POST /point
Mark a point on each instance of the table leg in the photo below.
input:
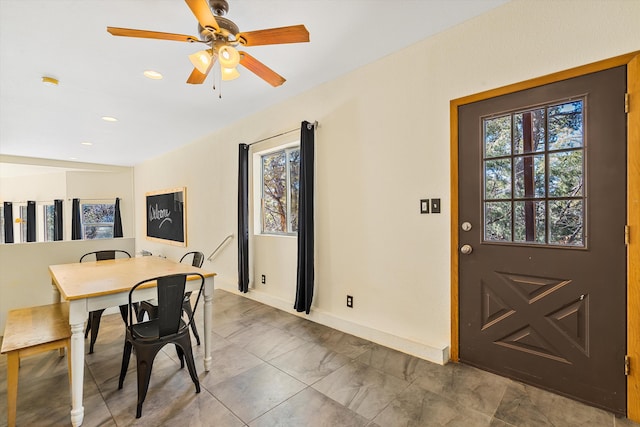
(77, 316)
(55, 293)
(208, 319)
(55, 300)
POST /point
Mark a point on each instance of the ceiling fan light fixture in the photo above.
(153, 75)
(230, 73)
(201, 60)
(228, 57)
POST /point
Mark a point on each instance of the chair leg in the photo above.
(95, 326)
(180, 355)
(126, 356)
(185, 345)
(145, 355)
(88, 328)
(186, 306)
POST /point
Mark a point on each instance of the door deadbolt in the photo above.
(466, 226)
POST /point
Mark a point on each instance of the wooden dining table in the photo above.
(90, 286)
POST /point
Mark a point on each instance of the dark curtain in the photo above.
(243, 218)
(31, 221)
(117, 220)
(76, 227)
(57, 220)
(305, 273)
(8, 222)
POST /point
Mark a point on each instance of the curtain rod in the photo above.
(96, 199)
(315, 126)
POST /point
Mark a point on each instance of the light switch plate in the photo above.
(424, 206)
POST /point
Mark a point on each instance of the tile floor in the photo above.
(271, 368)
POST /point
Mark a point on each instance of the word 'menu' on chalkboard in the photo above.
(166, 216)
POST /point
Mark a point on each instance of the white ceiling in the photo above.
(101, 75)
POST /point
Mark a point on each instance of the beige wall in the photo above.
(382, 145)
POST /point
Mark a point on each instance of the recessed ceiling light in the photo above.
(86, 143)
(109, 119)
(49, 81)
(152, 75)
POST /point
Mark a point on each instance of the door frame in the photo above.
(632, 61)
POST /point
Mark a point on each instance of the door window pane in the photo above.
(497, 137)
(530, 222)
(497, 221)
(565, 173)
(529, 131)
(565, 125)
(497, 179)
(529, 174)
(566, 222)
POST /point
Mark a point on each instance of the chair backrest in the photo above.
(198, 258)
(170, 294)
(106, 254)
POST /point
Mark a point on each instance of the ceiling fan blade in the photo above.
(196, 77)
(200, 9)
(291, 34)
(261, 70)
(128, 32)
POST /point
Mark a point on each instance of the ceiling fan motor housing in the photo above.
(219, 7)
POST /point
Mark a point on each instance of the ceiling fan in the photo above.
(221, 36)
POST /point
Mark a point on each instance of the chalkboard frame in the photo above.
(154, 197)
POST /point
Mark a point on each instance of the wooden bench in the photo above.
(31, 331)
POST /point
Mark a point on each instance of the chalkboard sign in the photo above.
(167, 216)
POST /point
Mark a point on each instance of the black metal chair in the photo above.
(93, 323)
(152, 310)
(148, 338)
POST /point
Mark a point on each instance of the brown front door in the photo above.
(542, 209)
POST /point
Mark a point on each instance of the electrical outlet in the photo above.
(349, 301)
(264, 279)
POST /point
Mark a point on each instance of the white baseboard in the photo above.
(404, 345)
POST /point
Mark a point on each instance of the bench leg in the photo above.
(13, 364)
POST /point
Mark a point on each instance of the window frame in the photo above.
(258, 188)
(84, 225)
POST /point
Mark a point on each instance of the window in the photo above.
(97, 220)
(23, 223)
(534, 163)
(280, 172)
(48, 215)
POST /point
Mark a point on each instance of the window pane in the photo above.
(497, 221)
(566, 222)
(497, 137)
(98, 232)
(274, 192)
(565, 174)
(23, 223)
(529, 176)
(565, 125)
(294, 187)
(97, 220)
(533, 123)
(497, 181)
(48, 222)
(530, 222)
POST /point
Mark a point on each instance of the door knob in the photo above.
(466, 249)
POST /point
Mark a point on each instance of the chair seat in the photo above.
(150, 331)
